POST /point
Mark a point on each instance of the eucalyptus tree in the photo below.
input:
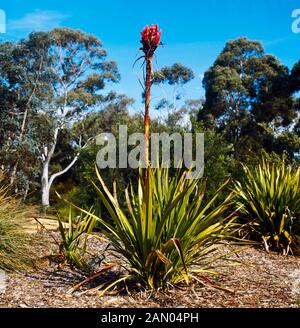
(295, 78)
(48, 81)
(78, 72)
(175, 76)
(22, 88)
(246, 90)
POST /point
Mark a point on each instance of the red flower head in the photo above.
(150, 39)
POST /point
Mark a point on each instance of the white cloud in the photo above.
(39, 20)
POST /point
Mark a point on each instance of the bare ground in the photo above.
(263, 280)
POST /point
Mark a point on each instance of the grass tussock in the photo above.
(15, 251)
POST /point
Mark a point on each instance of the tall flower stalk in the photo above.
(150, 40)
(165, 233)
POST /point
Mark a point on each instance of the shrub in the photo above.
(269, 197)
(74, 235)
(165, 233)
(14, 243)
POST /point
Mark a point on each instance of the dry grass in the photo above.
(15, 251)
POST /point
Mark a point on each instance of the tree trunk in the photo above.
(45, 184)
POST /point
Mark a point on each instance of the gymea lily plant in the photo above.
(269, 202)
(165, 233)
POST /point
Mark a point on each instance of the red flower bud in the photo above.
(150, 39)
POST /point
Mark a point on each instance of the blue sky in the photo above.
(194, 32)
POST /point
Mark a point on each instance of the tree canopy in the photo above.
(247, 90)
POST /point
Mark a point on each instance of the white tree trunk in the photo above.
(46, 181)
(45, 184)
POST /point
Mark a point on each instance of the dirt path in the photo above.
(39, 222)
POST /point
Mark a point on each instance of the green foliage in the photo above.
(176, 74)
(269, 197)
(48, 80)
(14, 243)
(219, 163)
(295, 77)
(20, 88)
(75, 185)
(165, 233)
(246, 89)
(74, 236)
